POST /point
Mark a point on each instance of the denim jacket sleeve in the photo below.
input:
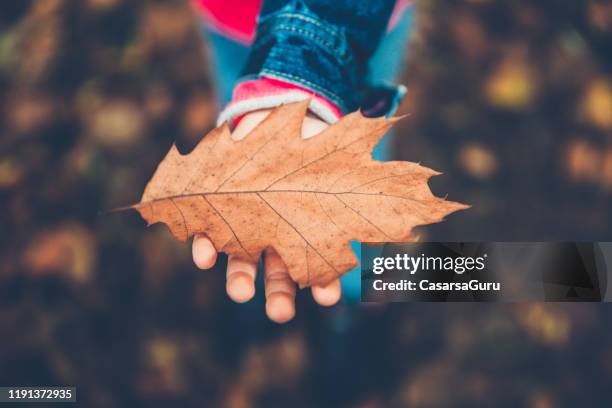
(323, 46)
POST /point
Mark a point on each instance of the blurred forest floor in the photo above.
(511, 100)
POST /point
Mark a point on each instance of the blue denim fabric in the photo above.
(324, 46)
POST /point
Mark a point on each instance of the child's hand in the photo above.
(280, 289)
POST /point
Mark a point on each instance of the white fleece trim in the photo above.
(236, 109)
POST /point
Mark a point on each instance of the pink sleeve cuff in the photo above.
(266, 93)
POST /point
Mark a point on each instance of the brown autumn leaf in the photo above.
(306, 198)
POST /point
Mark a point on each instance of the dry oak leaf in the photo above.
(305, 198)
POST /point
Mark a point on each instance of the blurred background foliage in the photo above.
(512, 100)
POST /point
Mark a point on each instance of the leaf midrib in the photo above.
(244, 192)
